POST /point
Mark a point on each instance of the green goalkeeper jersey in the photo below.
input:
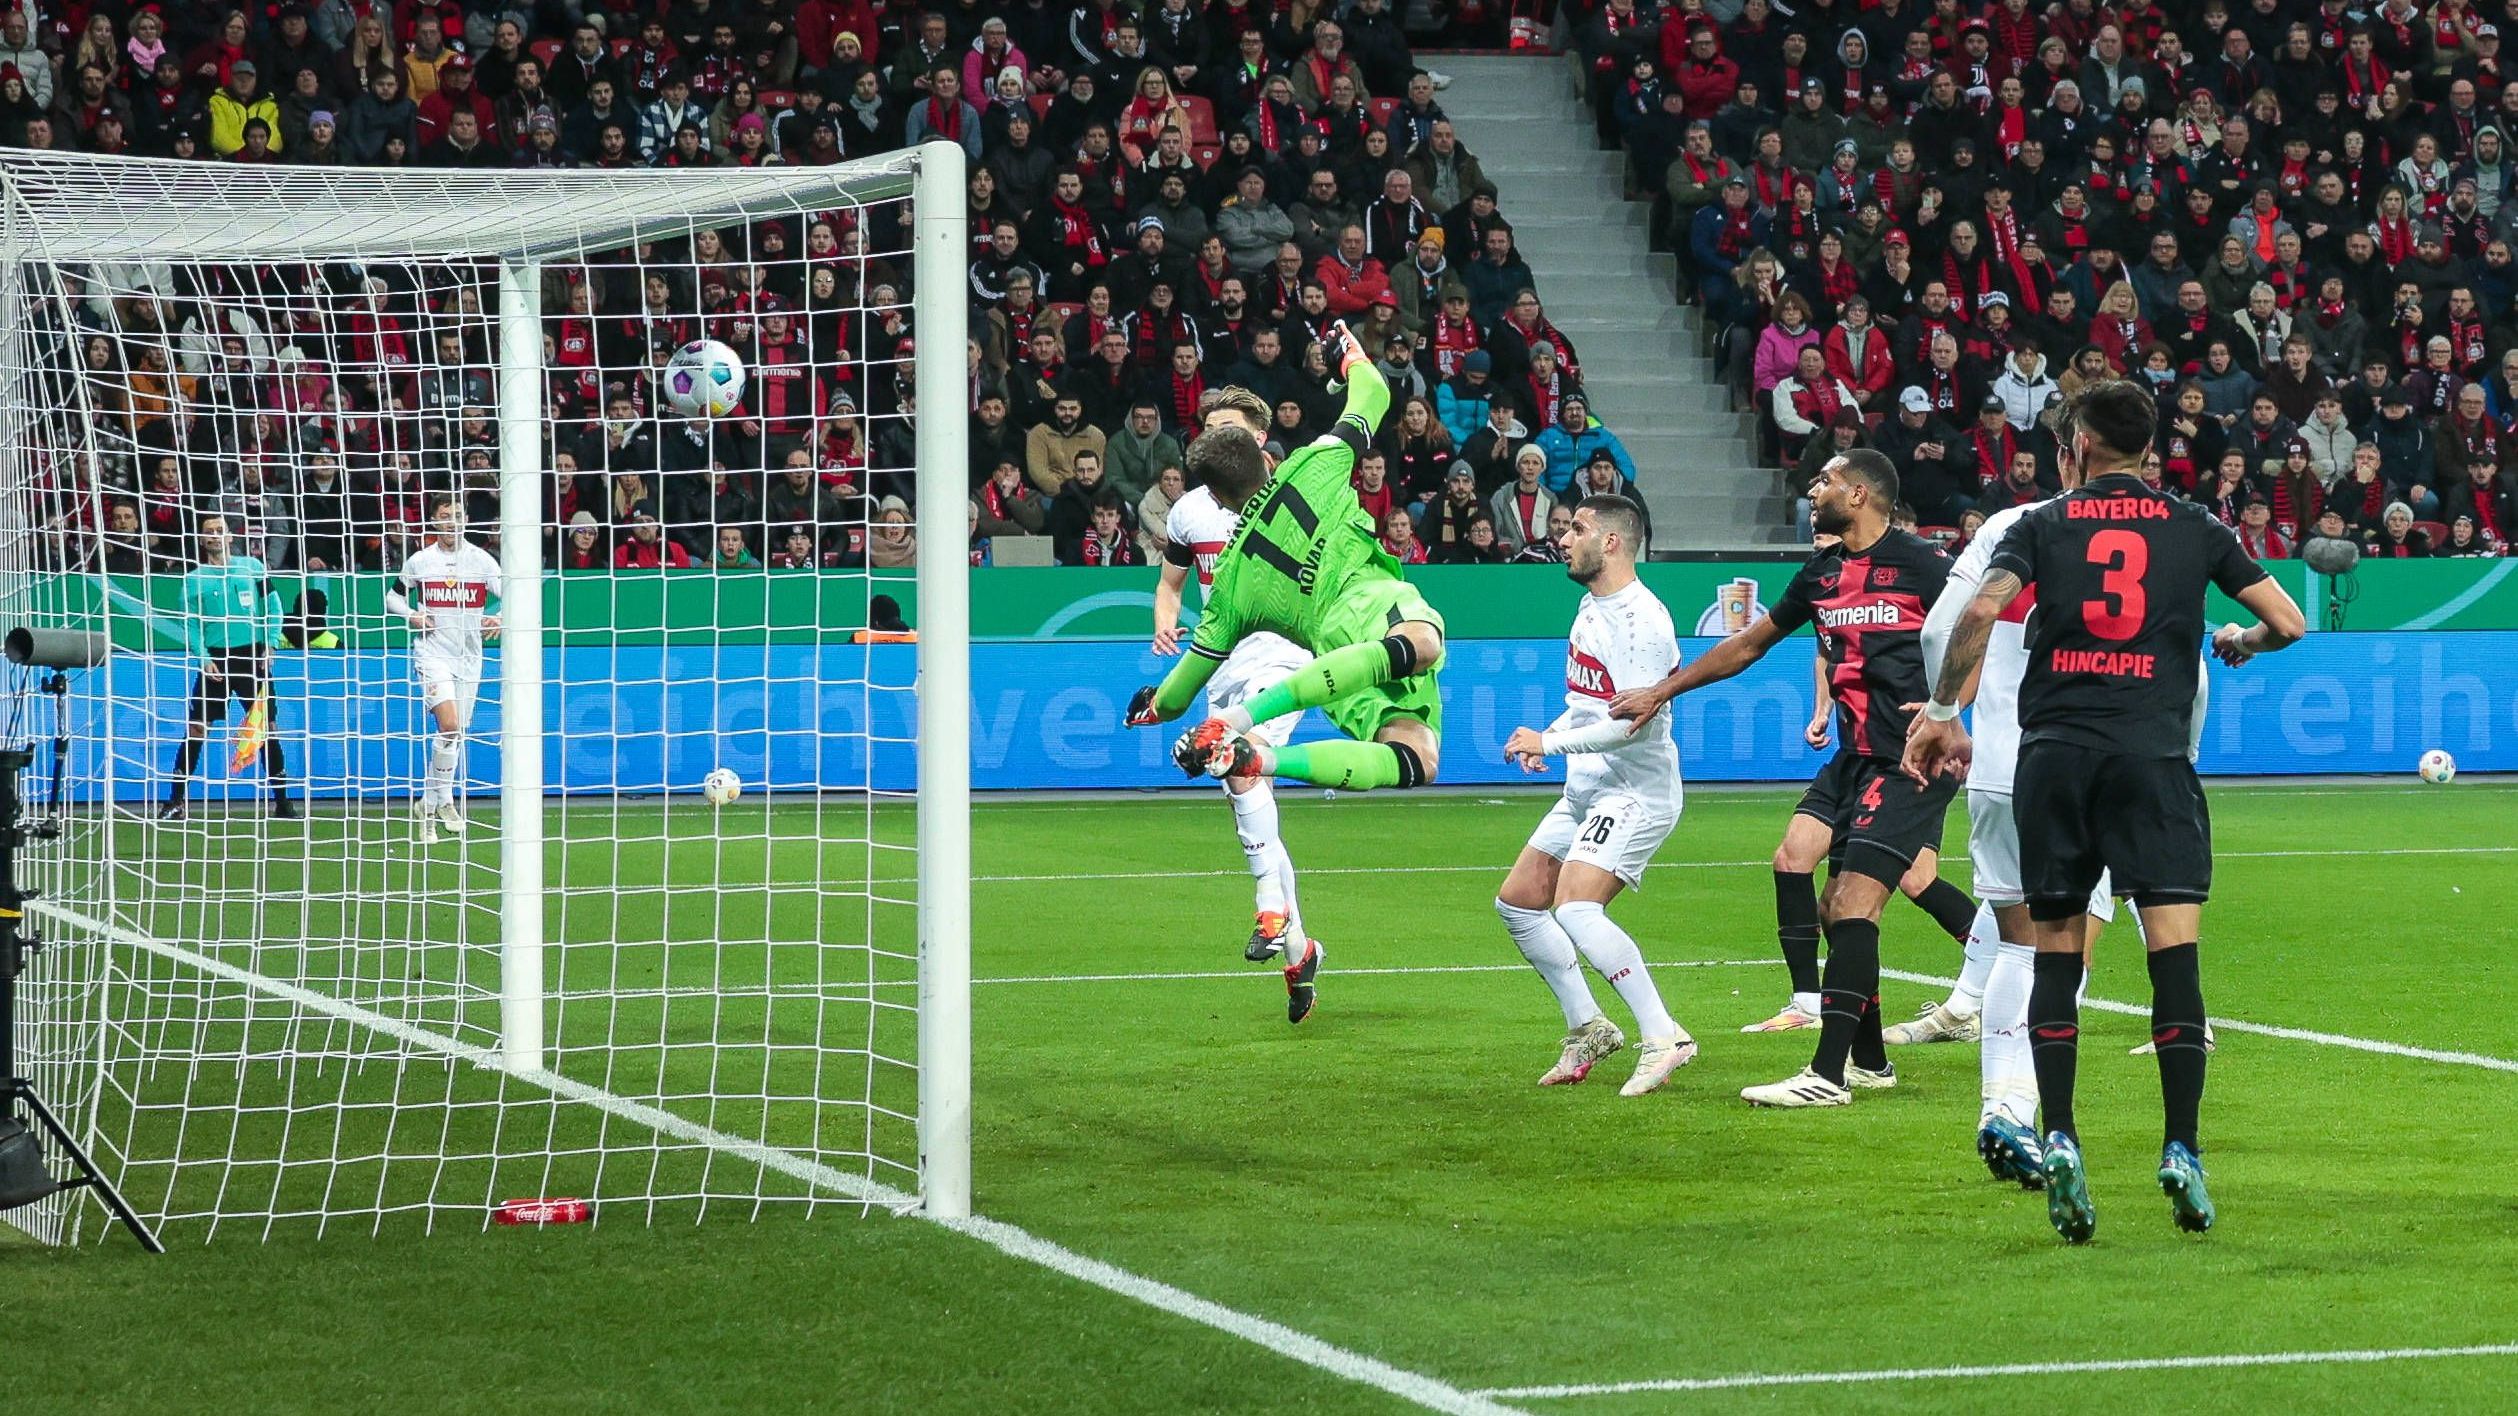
(1304, 542)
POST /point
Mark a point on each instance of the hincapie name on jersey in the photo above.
(2114, 663)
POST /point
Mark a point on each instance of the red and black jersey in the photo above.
(2116, 641)
(1869, 607)
(786, 393)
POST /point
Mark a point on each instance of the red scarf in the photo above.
(2466, 337)
(1077, 228)
(1186, 396)
(1993, 454)
(1839, 282)
(1544, 395)
(945, 119)
(1733, 241)
(1453, 342)
(2395, 239)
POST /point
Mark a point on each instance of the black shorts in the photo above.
(246, 668)
(1878, 821)
(2081, 811)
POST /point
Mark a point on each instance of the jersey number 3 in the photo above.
(2122, 557)
(1289, 501)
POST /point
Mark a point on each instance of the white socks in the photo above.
(2010, 1076)
(1983, 938)
(444, 749)
(1612, 951)
(2010, 1079)
(1271, 868)
(1551, 951)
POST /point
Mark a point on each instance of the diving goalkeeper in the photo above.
(1305, 563)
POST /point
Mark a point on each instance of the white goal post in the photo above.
(275, 989)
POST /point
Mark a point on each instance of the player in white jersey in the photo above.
(444, 594)
(1197, 530)
(1622, 797)
(1993, 991)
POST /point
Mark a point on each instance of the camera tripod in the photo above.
(24, 1178)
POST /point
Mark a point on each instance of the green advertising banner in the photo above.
(1477, 602)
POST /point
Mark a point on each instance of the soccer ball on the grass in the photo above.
(2437, 767)
(721, 786)
(703, 379)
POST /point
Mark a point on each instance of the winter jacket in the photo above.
(1778, 353)
(1462, 407)
(1567, 452)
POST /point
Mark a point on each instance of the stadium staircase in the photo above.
(1642, 353)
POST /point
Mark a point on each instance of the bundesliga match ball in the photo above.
(2438, 768)
(704, 379)
(721, 786)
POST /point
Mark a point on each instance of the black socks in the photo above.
(2177, 1036)
(2054, 1035)
(1797, 927)
(1849, 993)
(1949, 907)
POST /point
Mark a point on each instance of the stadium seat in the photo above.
(2436, 530)
(1938, 535)
(546, 50)
(1206, 154)
(1040, 104)
(1202, 130)
(1382, 108)
(620, 47)
(781, 99)
(1058, 312)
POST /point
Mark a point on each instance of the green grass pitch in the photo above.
(1388, 1179)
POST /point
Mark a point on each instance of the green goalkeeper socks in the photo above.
(1352, 766)
(1332, 676)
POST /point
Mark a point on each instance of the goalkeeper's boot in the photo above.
(1267, 936)
(1193, 752)
(1865, 1079)
(1803, 1088)
(1584, 1046)
(2181, 1177)
(2011, 1152)
(2211, 1044)
(1936, 1023)
(1792, 1017)
(283, 809)
(1301, 991)
(2068, 1190)
(1660, 1057)
(451, 817)
(171, 809)
(427, 819)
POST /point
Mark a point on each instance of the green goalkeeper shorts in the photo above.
(1365, 615)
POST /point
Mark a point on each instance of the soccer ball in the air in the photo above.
(721, 786)
(2437, 767)
(703, 379)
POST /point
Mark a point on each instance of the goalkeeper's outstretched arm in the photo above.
(1168, 700)
(1367, 392)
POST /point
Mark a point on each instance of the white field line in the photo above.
(1761, 863)
(1413, 1387)
(2321, 1039)
(2008, 1369)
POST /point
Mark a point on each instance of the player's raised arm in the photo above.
(1167, 590)
(1367, 392)
(1937, 743)
(1728, 659)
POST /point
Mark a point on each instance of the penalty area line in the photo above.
(2348, 1356)
(1013, 1241)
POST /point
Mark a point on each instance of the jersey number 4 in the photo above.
(2118, 612)
(1290, 502)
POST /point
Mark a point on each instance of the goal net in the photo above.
(318, 952)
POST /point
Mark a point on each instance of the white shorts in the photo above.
(1993, 853)
(1255, 666)
(444, 679)
(1612, 832)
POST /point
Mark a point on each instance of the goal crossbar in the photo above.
(86, 207)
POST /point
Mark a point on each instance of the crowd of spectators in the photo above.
(1162, 201)
(1918, 226)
